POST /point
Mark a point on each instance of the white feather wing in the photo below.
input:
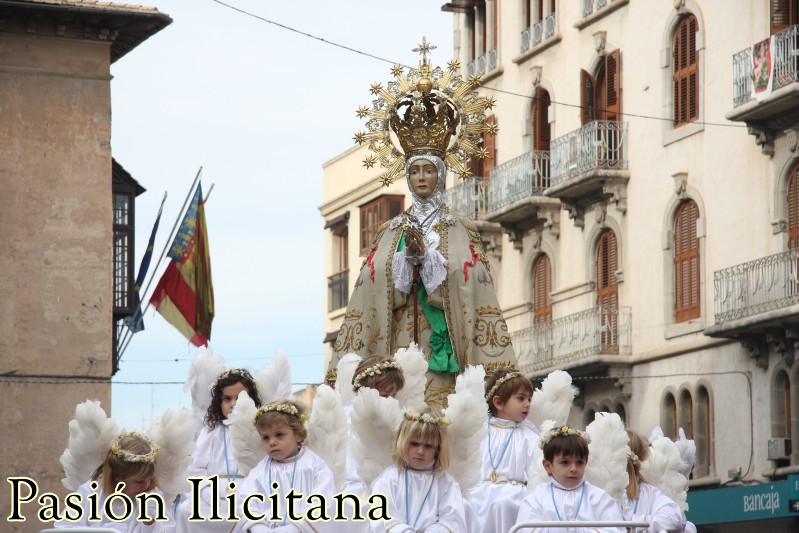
(205, 369)
(608, 452)
(247, 448)
(90, 435)
(174, 433)
(274, 379)
(345, 371)
(687, 449)
(467, 412)
(553, 400)
(536, 473)
(327, 432)
(373, 423)
(655, 434)
(414, 370)
(661, 469)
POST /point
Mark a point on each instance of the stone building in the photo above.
(66, 225)
(640, 208)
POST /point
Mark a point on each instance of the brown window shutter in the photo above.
(489, 143)
(687, 300)
(587, 110)
(495, 36)
(793, 208)
(608, 290)
(540, 15)
(542, 288)
(685, 72)
(541, 120)
(782, 15)
(613, 87)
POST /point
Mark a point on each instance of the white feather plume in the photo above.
(553, 400)
(174, 433)
(536, 473)
(205, 369)
(687, 449)
(655, 434)
(467, 412)
(247, 448)
(327, 432)
(274, 379)
(661, 469)
(90, 435)
(374, 420)
(414, 370)
(608, 452)
(345, 371)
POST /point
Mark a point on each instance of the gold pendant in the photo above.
(493, 476)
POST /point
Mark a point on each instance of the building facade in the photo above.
(640, 205)
(66, 219)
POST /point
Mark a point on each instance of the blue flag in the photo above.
(135, 322)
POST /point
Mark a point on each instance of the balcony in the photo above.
(779, 109)
(541, 31)
(469, 197)
(758, 303)
(483, 65)
(590, 165)
(516, 195)
(338, 290)
(594, 337)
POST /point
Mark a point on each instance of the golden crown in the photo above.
(425, 108)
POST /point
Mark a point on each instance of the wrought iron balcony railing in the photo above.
(483, 64)
(520, 177)
(590, 6)
(785, 56)
(540, 32)
(469, 197)
(597, 331)
(338, 290)
(600, 144)
(759, 286)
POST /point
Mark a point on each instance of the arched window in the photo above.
(685, 414)
(607, 265)
(781, 406)
(600, 96)
(668, 416)
(687, 297)
(622, 412)
(686, 72)
(542, 288)
(541, 138)
(703, 434)
(793, 208)
(589, 416)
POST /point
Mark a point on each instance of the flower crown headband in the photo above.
(235, 371)
(375, 370)
(562, 431)
(130, 457)
(635, 460)
(280, 407)
(500, 381)
(427, 418)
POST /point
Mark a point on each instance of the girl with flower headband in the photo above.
(288, 466)
(644, 502)
(567, 496)
(506, 453)
(213, 455)
(421, 495)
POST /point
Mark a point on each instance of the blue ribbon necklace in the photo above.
(579, 503)
(502, 453)
(293, 472)
(227, 464)
(408, 498)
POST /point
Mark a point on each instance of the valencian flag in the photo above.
(135, 322)
(184, 296)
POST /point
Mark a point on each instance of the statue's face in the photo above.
(424, 178)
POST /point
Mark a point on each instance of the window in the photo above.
(376, 213)
(123, 254)
(687, 298)
(542, 288)
(703, 433)
(668, 416)
(600, 97)
(784, 13)
(607, 291)
(793, 208)
(338, 283)
(542, 135)
(686, 72)
(482, 167)
(781, 406)
(685, 414)
(622, 412)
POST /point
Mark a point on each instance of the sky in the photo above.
(260, 109)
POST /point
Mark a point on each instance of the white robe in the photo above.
(442, 511)
(493, 505)
(131, 525)
(547, 502)
(213, 455)
(654, 507)
(311, 476)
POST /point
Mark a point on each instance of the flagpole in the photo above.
(129, 335)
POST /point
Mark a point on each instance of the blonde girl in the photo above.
(421, 495)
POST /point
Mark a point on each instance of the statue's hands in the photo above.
(414, 243)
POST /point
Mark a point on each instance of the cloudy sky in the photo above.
(260, 108)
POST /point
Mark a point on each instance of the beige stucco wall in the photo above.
(56, 238)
